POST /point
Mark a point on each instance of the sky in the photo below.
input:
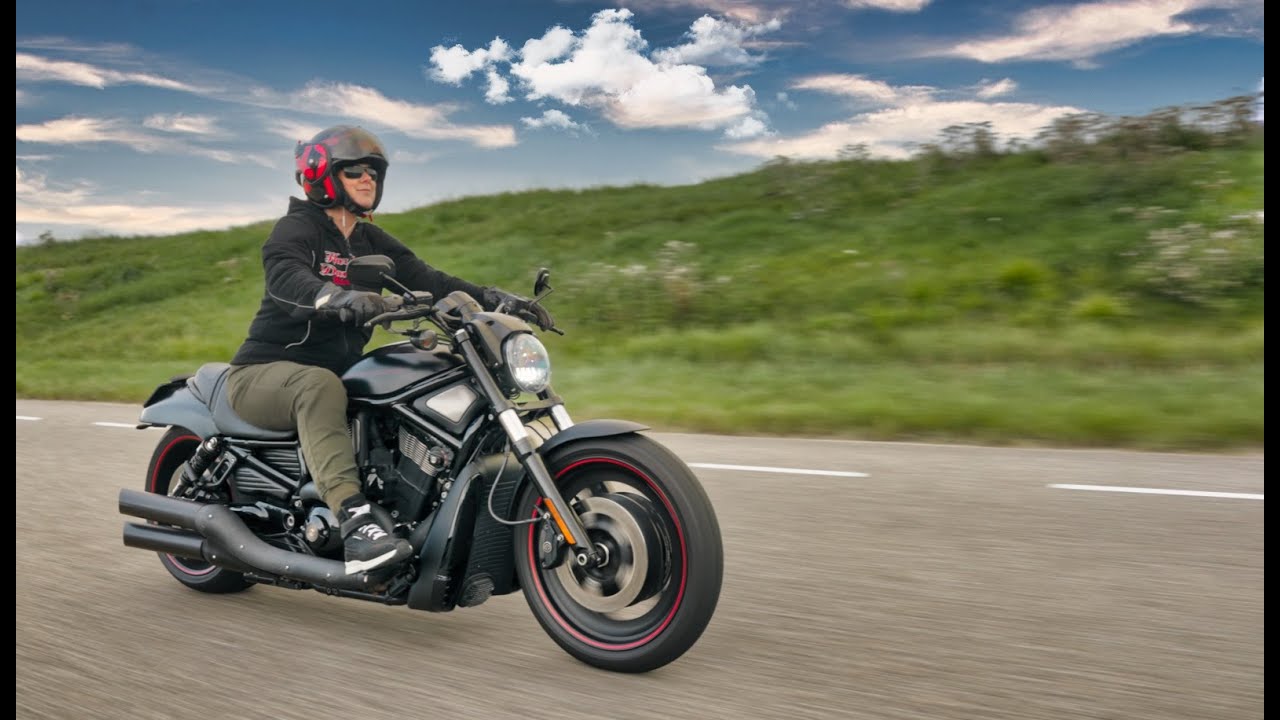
(154, 117)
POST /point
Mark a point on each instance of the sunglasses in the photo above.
(355, 172)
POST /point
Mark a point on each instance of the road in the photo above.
(889, 581)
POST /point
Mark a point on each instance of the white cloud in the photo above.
(553, 45)
(422, 121)
(455, 64)
(748, 127)
(906, 116)
(678, 96)
(86, 131)
(499, 88)
(749, 11)
(1080, 32)
(890, 5)
(181, 123)
(849, 85)
(605, 68)
(76, 206)
(555, 120)
(419, 121)
(785, 101)
(32, 68)
(996, 89)
(716, 42)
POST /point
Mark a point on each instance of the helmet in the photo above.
(319, 160)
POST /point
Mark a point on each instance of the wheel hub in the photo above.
(621, 534)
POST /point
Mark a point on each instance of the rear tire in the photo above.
(655, 596)
(174, 449)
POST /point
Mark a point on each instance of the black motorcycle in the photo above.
(460, 438)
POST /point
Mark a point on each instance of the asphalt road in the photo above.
(926, 581)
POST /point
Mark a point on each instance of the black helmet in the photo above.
(319, 161)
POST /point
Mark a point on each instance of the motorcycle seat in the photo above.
(209, 385)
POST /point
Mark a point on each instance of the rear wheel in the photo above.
(651, 598)
(163, 475)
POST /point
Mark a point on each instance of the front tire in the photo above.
(163, 472)
(653, 598)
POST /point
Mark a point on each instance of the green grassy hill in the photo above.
(997, 298)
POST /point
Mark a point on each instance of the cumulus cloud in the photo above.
(607, 68)
(455, 64)
(748, 127)
(1078, 33)
(747, 11)
(555, 120)
(716, 42)
(903, 117)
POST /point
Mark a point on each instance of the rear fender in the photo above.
(175, 404)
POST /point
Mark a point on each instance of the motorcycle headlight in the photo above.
(527, 362)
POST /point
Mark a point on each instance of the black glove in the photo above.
(499, 300)
(353, 306)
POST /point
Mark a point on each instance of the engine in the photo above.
(412, 476)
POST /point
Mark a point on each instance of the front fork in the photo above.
(566, 520)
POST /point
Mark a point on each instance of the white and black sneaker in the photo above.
(366, 542)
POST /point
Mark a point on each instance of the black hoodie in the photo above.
(305, 252)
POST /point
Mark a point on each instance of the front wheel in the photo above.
(654, 594)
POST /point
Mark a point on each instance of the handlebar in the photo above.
(447, 312)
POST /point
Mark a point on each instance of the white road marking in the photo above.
(842, 473)
(1157, 491)
(785, 471)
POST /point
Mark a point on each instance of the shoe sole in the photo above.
(359, 566)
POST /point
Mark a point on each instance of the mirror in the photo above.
(542, 283)
(371, 272)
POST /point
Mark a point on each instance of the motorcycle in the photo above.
(474, 459)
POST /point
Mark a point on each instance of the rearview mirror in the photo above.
(543, 282)
(371, 272)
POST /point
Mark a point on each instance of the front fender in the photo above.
(180, 407)
(589, 429)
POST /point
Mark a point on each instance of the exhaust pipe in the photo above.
(166, 540)
(217, 535)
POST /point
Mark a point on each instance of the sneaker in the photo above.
(366, 542)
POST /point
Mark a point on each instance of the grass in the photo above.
(1004, 299)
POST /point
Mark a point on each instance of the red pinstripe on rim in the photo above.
(684, 567)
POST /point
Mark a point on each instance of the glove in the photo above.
(354, 306)
(502, 301)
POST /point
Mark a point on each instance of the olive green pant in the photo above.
(287, 396)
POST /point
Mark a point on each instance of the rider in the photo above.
(286, 374)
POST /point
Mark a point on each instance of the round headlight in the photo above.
(527, 362)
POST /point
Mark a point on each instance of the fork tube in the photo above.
(558, 414)
(566, 519)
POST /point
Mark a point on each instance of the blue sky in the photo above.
(161, 116)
